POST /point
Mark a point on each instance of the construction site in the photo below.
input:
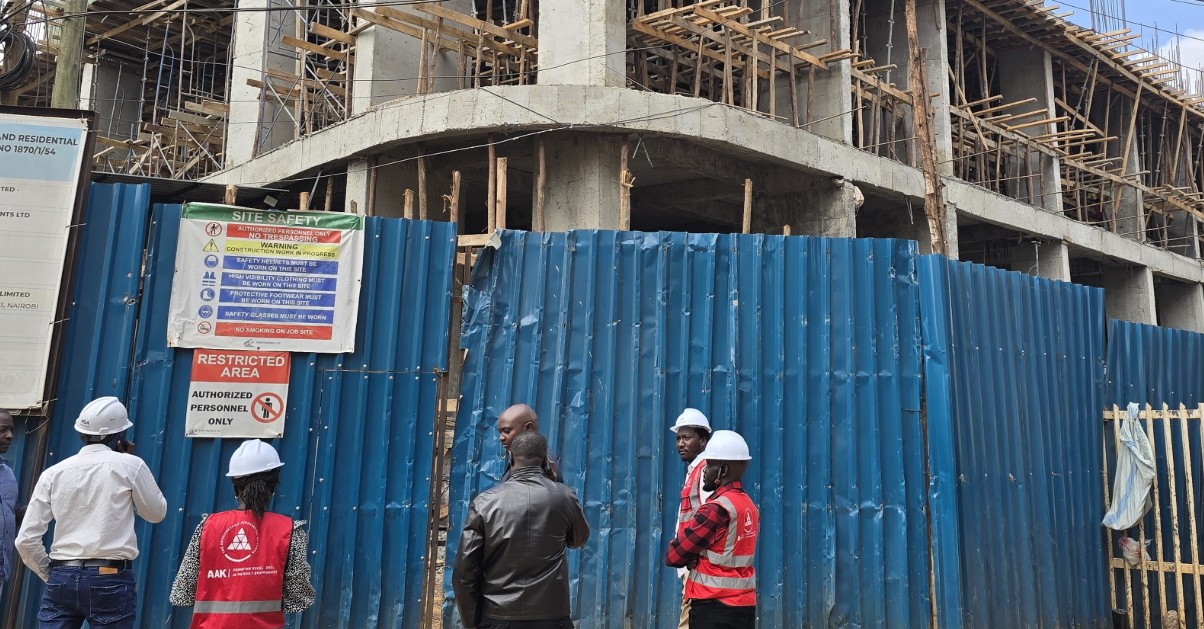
(995, 131)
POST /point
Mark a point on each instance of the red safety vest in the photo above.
(241, 577)
(725, 571)
(691, 499)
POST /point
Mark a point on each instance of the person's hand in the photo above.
(692, 564)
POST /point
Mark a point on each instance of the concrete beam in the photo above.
(1129, 294)
(1180, 305)
(470, 114)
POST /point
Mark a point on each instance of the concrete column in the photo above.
(1181, 306)
(387, 63)
(1025, 73)
(1043, 259)
(582, 181)
(886, 35)
(831, 92)
(820, 209)
(1184, 232)
(113, 91)
(359, 178)
(1130, 215)
(1129, 294)
(583, 42)
(258, 123)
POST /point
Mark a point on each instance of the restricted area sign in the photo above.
(237, 393)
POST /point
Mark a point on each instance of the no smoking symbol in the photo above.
(267, 407)
(204, 327)
(213, 229)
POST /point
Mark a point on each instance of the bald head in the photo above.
(514, 421)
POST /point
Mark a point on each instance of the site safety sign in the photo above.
(252, 279)
(237, 394)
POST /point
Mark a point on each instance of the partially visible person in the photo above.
(10, 513)
(514, 421)
(246, 567)
(720, 543)
(511, 571)
(692, 430)
(91, 497)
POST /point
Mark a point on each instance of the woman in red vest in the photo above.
(720, 543)
(247, 567)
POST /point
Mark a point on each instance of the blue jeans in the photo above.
(75, 594)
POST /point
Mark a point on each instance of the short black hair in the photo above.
(529, 446)
(702, 433)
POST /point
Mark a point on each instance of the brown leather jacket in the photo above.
(511, 563)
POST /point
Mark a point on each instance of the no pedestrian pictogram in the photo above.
(267, 407)
(213, 229)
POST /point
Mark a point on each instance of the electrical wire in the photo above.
(18, 56)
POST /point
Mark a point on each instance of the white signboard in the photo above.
(40, 163)
(237, 394)
(250, 279)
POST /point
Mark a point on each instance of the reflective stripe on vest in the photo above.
(690, 496)
(240, 580)
(239, 607)
(725, 569)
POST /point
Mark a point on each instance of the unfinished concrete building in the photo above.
(996, 131)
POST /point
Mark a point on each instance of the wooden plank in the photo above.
(744, 30)
(1168, 425)
(502, 168)
(934, 207)
(746, 224)
(330, 33)
(474, 240)
(113, 32)
(471, 22)
(313, 48)
(541, 186)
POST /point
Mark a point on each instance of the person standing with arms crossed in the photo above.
(246, 567)
(720, 543)
(693, 430)
(91, 497)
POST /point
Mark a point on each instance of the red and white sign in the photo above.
(237, 394)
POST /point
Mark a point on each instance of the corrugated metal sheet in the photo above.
(104, 297)
(358, 446)
(1154, 365)
(1014, 372)
(807, 346)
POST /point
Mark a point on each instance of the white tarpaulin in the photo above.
(250, 279)
(40, 163)
(1134, 475)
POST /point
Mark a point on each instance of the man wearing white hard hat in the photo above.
(692, 430)
(91, 497)
(719, 545)
(246, 567)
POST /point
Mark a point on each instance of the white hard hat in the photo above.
(103, 416)
(691, 417)
(726, 445)
(253, 457)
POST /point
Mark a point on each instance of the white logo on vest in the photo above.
(240, 541)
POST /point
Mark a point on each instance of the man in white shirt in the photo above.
(693, 431)
(91, 497)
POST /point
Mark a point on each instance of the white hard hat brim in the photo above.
(673, 428)
(711, 456)
(101, 433)
(240, 473)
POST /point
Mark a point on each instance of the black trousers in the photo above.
(711, 614)
(559, 623)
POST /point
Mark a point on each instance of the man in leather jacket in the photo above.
(511, 570)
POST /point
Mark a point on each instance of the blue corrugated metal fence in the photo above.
(807, 346)
(1014, 369)
(358, 446)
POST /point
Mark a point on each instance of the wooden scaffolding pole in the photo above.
(934, 207)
